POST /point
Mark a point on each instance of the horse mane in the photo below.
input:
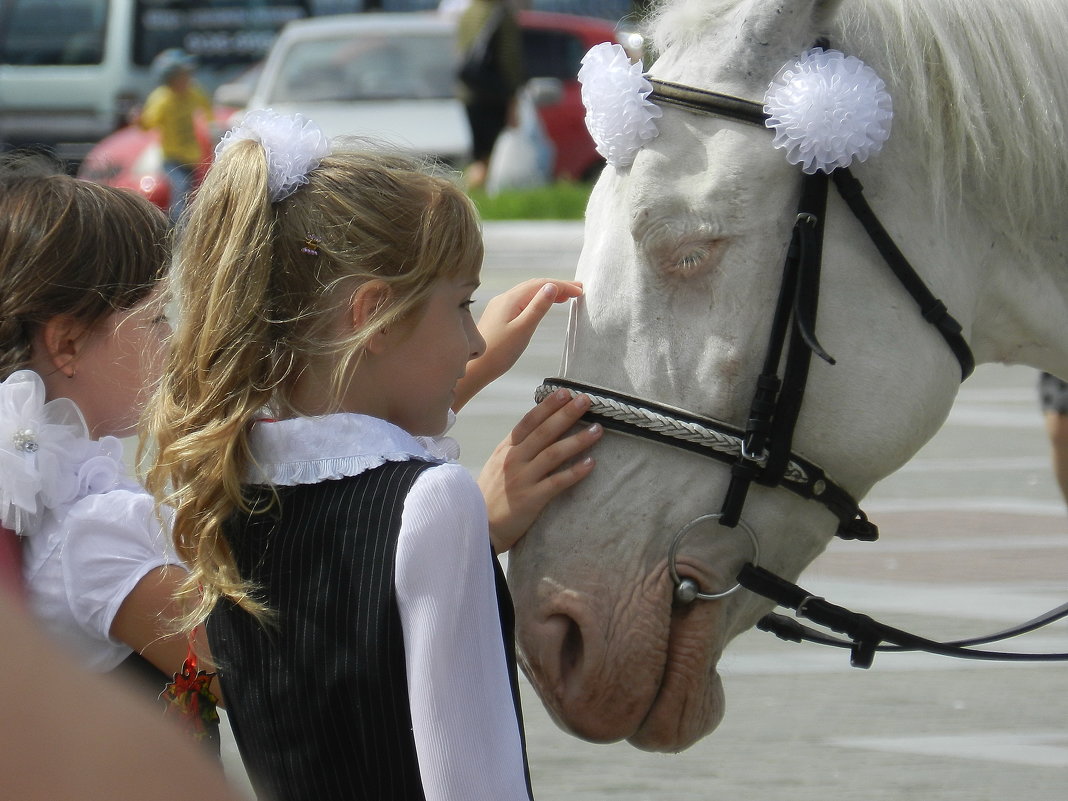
(981, 87)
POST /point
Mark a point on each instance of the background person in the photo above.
(171, 109)
(489, 27)
(81, 337)
(1053, 394)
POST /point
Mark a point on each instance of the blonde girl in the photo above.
(81, 333)
(341, 556)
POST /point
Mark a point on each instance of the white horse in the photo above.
(682, 263)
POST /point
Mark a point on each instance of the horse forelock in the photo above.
(980, 90)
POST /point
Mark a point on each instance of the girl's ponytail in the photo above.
(220, 371)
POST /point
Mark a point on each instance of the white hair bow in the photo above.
(293, 144)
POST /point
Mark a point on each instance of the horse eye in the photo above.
(692, 258)
(689, 263)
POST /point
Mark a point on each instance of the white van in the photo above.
(71, 70)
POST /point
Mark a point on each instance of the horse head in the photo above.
(682, 265)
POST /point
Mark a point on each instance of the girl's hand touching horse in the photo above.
(527, 470)
(507, 325)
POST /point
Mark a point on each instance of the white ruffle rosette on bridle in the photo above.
(619, 116)
(293, 145)
(828, 109)
(46, 456)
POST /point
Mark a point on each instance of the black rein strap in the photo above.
(866, 635)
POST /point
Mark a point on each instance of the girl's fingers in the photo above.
(529, 289)
(533, 307)
(531, 426)
(548, 459)
(548, 433)
(538, 306)
(555, 483)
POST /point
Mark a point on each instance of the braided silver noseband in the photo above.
(721, 441)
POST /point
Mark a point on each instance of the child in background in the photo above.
(171, 109)
(81, 334)
(342, 560)
(1053, 396)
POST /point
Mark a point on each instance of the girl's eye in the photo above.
(467, 304)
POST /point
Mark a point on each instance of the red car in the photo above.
(553, 46)
(131, 158)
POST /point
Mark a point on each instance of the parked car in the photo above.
(72, 70)
(386, 75)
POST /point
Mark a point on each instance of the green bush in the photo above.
(563, 200)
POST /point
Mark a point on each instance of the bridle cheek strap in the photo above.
(776, 403)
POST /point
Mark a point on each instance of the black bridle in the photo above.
(762, 452)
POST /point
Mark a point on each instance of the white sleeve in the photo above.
(466, 733)
(112, 541)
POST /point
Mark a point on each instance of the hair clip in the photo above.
(311, 245)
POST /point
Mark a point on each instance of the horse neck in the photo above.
(1011, 295)
(1023, 305)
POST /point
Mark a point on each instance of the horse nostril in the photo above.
(570, 647)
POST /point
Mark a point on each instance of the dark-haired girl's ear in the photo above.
(367, 303)
(61, 338)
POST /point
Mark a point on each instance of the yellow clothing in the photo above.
(171, 113)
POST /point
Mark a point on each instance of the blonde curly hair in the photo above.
(257, 286)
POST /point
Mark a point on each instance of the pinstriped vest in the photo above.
(319, 704)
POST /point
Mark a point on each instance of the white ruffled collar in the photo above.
(47, 458)
(307, 450)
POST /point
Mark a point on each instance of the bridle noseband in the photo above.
(762, 452)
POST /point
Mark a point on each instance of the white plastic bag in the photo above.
(522, 156)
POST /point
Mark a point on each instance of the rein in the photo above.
(762, 452)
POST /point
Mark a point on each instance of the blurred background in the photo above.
(74, 75)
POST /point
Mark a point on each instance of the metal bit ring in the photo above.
(687, 590)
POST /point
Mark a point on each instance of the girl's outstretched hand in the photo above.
(507, 325)
(527, 470)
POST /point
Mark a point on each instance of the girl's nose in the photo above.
(475, 340)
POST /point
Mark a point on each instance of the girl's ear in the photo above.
(367, 301)
(62, 337)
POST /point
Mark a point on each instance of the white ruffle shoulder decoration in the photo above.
(619, 116)
(828, 109)
(46, 456)
(293, 144)
(307, 450)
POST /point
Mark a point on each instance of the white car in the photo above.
(387, 76)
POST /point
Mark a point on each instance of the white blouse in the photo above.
(89, 534)
(466, 733)
(84, 560)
